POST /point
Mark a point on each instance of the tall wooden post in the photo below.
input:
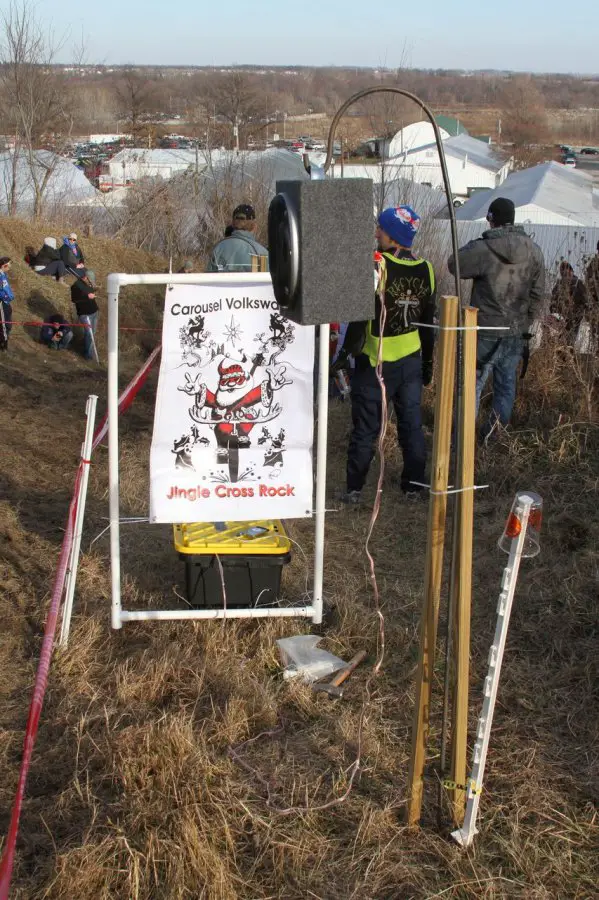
(437, 512)
(259, 263)
(463, 567)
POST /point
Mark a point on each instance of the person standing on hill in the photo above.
(83, 295)
(508, 271)
(6, 298)
(406, 289)
(234, 253)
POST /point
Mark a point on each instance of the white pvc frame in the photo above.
(119, 615)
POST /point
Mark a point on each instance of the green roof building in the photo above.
(453, 126)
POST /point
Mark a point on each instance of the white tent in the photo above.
(65, 184)
(133, 163)
(548, 194)
(412, 137)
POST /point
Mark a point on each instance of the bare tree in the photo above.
(134, 96)
(235, 99)
(523, 111)
(34, 102)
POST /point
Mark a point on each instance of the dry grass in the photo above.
(133, 794)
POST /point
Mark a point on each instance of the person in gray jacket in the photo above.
(234, 253)
(508, 271)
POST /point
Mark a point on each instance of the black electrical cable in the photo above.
(453, 586)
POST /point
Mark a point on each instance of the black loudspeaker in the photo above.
(320, 238)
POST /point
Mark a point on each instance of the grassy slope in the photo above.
(132, 792)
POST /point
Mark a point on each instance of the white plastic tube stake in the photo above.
(113, 446)
(465, 835)
(71, 579)
(321, 469)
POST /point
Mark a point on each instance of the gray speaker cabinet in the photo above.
(321, 239)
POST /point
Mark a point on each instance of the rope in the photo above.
(36, 323)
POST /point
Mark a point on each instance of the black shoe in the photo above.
(351, 498)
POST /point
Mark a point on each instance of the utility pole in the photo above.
(236, 133)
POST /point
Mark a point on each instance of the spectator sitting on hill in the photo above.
(83, 295)
(56, 333)
(186, 268)
(48, 261)
(71, 255)
(6, 298)
(29, 255)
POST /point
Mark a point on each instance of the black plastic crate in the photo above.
(250, 580)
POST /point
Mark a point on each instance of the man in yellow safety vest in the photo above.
(405, 300)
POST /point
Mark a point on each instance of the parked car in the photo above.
(570, 161)
(590, 151)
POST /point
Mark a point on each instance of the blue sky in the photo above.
(535, 35)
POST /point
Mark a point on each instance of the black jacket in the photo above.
(80, 295)
(45, 256)
(508, 271)
(410, 297)
(70, 259)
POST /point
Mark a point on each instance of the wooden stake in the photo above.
(259, 263)
(463, 568)
(434, 552)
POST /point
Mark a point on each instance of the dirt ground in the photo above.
(134, 792)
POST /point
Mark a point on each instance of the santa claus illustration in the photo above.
(239, 401)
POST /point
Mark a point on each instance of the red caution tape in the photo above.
(43, 669)
(128, 396)
(39, 690)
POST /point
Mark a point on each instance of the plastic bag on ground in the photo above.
(303, 659)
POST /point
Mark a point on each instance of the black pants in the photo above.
(56, 268)
(403, 383)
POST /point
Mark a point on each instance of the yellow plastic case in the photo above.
(260, 538)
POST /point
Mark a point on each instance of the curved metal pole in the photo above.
(459, 362)
(439, 141)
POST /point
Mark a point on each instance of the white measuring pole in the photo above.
(465, 835)
(71, 580)
(113, 284)
(321, 470)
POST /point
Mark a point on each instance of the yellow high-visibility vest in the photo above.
(396, 346)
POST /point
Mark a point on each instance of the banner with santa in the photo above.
(234, 411)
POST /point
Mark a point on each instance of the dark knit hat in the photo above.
(502, 212)
(401, 223)
(244, 211)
